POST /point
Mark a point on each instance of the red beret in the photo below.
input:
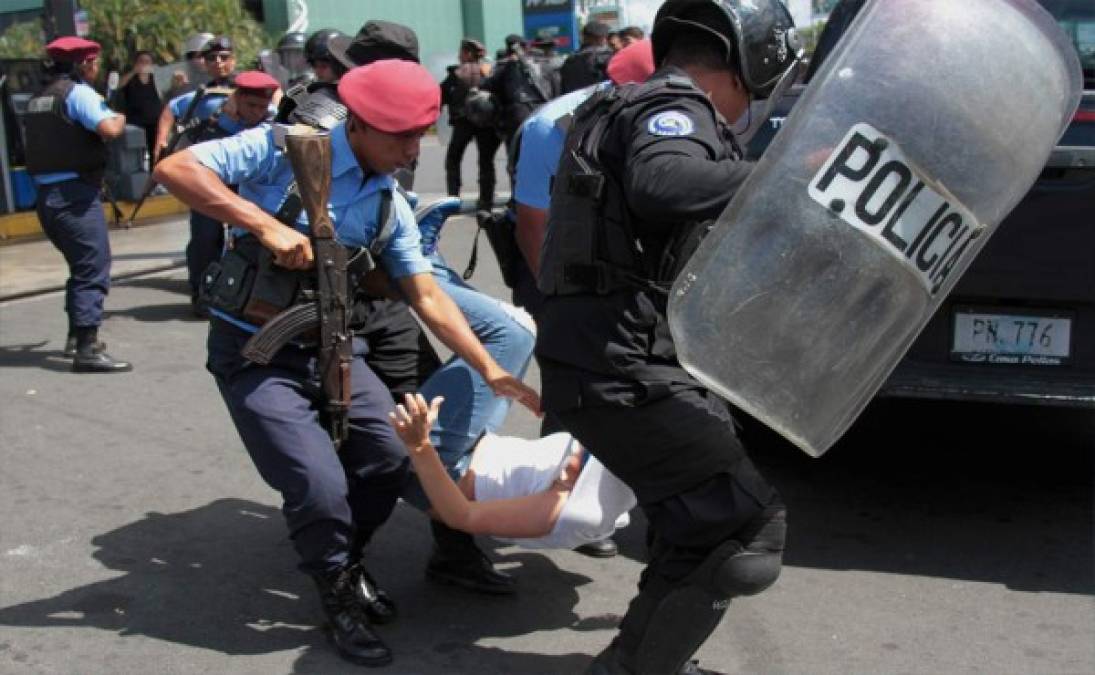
(256, 79)
(71, 48)
(633, 63)
(392, 95)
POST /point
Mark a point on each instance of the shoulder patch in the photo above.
(671, 123)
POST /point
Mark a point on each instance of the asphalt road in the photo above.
(135, 536)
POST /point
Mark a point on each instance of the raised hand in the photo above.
(413, 420)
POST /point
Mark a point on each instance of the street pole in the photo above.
(58, 18)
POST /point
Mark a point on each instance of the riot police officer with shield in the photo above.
(645, 167)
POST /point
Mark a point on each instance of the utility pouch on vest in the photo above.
(274, 289)
(226, 283)
(246, 283)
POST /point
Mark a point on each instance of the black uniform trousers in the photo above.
(398, 350)
(332, 501)
(486, 145)
(71, 215)
(206, 245)
(691, 509)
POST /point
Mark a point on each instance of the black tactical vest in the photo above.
(56, 142)
(591, 246)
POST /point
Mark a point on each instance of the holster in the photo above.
(499, 227)
(246, 283)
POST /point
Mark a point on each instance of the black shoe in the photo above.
(351, 635)
(693, 668)
(476, 575)
(70, 346)
(605, 548)
(378, 605)
(607, 664)
(457, 561)
(92, 361)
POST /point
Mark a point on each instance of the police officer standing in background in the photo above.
(317, 52)
(587, 65)
(460, 80)
(66, 126)
(206, 235)
(520, 84)
(290, 50)
(661, 163)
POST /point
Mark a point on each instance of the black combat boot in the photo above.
(350, 633)
(70, 344)
(378, 605)
(458, 561)
(90, 358)
(668, 621)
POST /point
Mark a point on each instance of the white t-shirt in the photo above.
(514, 467)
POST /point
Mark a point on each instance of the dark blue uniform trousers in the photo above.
(71, 215)
(205, 246)
(332, 501)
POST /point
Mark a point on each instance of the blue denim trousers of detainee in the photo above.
(471, 407)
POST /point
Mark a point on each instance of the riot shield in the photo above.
(926, 125)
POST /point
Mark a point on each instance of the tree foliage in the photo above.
(21, 40)
(123, 27)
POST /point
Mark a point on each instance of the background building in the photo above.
(439, 23)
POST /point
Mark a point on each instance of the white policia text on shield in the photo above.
(915, 139)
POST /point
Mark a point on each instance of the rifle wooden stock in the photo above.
(310, 157)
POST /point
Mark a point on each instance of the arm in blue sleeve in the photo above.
(541, 147)
(246, 156)
(87, 107)
(402, 257)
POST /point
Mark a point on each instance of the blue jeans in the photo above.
(471, 408)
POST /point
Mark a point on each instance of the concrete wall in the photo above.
(439, 23)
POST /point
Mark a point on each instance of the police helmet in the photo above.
(316, 48)
(195, 44)
(293, 40)
(759, 33)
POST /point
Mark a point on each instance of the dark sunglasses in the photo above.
(219, 56)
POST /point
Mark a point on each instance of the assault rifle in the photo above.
(310, 156)
(182, 125)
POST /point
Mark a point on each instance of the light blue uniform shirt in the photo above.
(542, 146)
(253, 160)
(87, 108)
(209, 104)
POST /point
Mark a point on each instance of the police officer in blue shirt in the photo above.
(201, 107)
(539, 146)
(66, 126)
(331, 499)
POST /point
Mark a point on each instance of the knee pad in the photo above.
(732, 571)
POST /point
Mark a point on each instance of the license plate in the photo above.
(871, 185)
(1017, 339)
